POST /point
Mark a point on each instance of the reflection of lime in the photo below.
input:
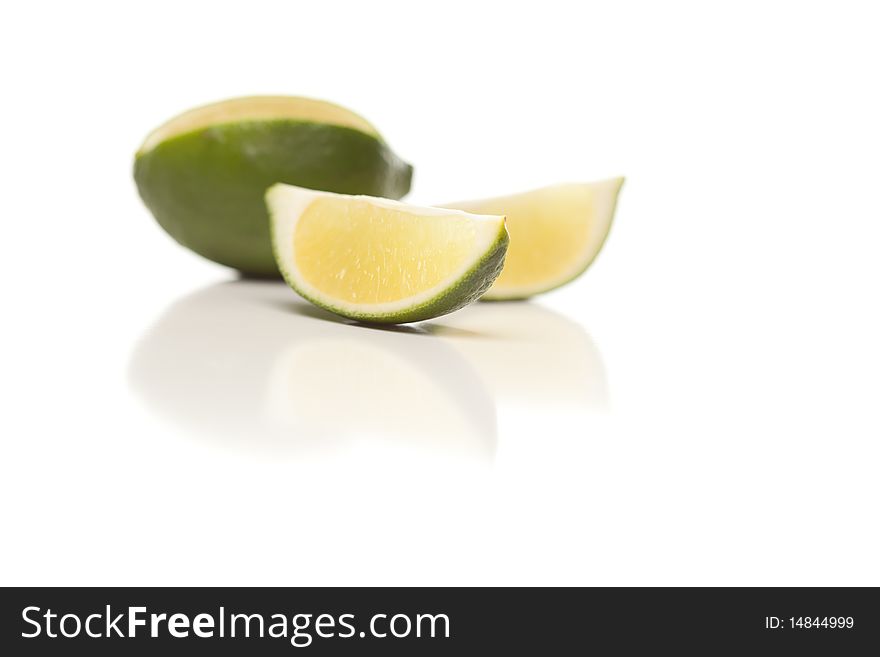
(383, 261)
(203, 174)
(373, 375)
(232, 363)
(556, 233)
(557, 364)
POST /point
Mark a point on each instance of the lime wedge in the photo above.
(556, 234)
(381, 261)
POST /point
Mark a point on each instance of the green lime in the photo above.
(203, 174)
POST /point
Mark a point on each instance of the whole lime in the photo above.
(203, 174)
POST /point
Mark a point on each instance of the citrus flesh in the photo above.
(203, 174)
(258, 108)
(556, 234)
(382, 261)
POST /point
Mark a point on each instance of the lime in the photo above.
(382, 261)
(556, 234)
(203, 173)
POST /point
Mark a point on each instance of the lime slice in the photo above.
(556, 234)
(382, 261)
(203, 173)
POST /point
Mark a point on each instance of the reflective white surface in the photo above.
(700, 408)
(249, 364)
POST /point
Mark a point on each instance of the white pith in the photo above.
(257, 108)
(287, 204)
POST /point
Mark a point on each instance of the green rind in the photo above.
(206, 187)
(578, 274)
(470, 287)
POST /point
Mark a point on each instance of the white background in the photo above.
(700, 408)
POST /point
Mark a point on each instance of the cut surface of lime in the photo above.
(382, 261)
(203, 174)
(258, 108)
(556, 233)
